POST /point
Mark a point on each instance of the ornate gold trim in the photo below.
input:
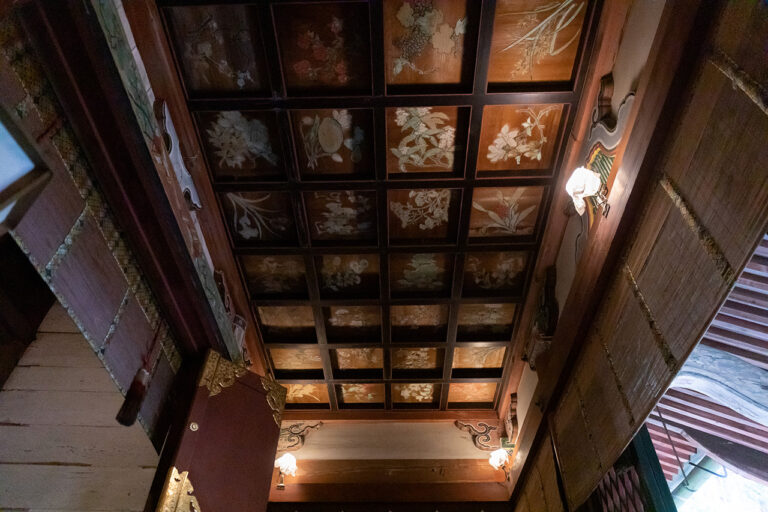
(177, 494)
(276, 395)
(218, 373)
(705, 238)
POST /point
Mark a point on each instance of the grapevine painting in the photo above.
(424, 41)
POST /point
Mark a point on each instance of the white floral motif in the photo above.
(424, 25)
(512, 219)
(238, 139)
(337, 276)
(352, 317)
(539, 38)
(416, 391)
(515, 143)
(206, 38)
(422, 273)
(429, 208)
(278, 275)
(343, 220)
(504, 274)
(358, 392)
(414, 358)
(347, 357)
(429, 143)
(298, 391)
(324, 137)
(254, 221)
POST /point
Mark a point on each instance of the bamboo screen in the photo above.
(703, 215)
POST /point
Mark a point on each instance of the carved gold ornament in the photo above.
(177, 494)
(218, 373)
(275, 397)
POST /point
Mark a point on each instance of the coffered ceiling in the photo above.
(385, 171)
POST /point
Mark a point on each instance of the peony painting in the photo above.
(324, 46)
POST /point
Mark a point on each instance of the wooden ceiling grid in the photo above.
(453, 221)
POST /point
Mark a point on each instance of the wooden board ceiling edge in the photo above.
(605, 37)
(349, 416)
(658, 81)
(146, 24)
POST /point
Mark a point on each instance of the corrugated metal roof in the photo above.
(740, 328)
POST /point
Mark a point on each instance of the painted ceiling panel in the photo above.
(384, 172)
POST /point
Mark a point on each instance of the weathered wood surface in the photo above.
(60, 446)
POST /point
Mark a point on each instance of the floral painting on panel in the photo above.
(424, 40)
(517, 138)
(478, 357)
(350, 273)
(416, 392)
(486, 318)
(471, 391)
(421, 272)
(296, 358)
(219, 48)
(342, 215)
(421, 139)
(359, 393)
(240, 144)
(307, 393)
(268, 275)
(421, 213)
(505, 212)
(421, 358)
(495, 271)
(535, 40)
(259, 216)
(324, 45)
(359, 358)
(333, 141)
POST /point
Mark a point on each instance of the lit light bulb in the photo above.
(582, 184)
(286, 464)
(498, 458)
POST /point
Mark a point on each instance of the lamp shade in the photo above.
(287, 464)
(583, 183)
(498, 458)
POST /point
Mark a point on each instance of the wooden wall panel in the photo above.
(547, 471)
(579, 462)
(60, 446)
(71, 237)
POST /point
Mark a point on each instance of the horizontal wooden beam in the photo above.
(390, 415)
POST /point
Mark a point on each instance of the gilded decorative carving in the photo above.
(707, 241)
(218, 373)
(276, 395)
(177, 494)
(484, 436)
(293, 436)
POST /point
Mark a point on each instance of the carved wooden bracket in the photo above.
(485, 437)
(294, 436)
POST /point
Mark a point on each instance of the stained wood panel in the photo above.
(353, 221)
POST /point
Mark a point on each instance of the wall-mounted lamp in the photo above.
(499, 459)
(585, 183)
(287, 466)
